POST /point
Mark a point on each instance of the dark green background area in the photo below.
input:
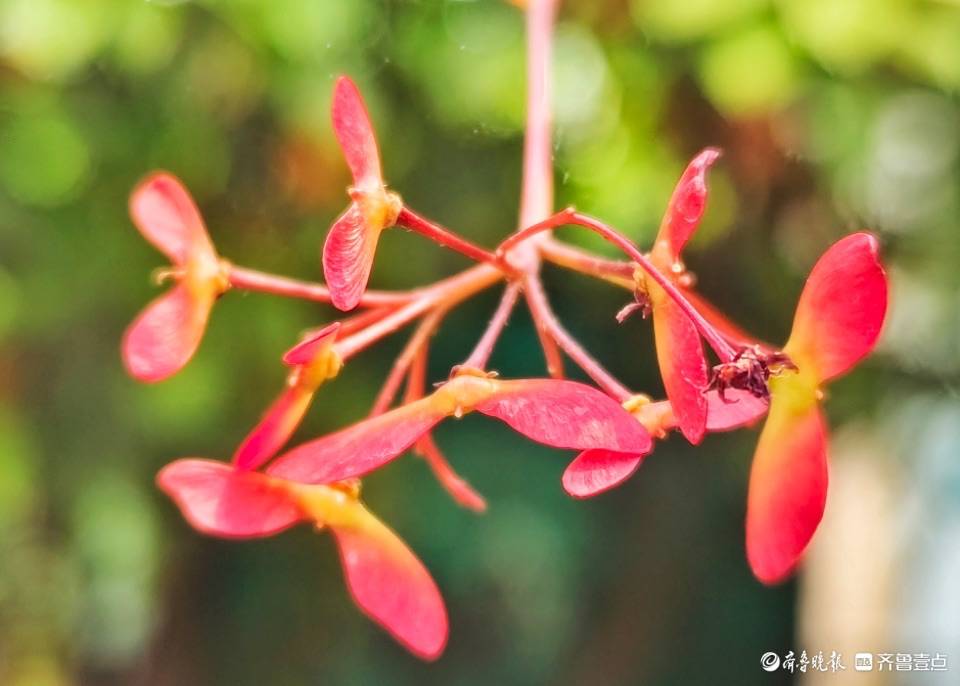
(832, 116)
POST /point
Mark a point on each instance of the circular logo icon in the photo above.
(769, 662)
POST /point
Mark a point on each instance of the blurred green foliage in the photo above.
(833, 114)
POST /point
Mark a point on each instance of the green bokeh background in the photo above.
(833, 114)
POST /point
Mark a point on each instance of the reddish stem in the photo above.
(536, 199)
(408, 219)
(252, 280)
(481, 353)
(417, 378)
(724, 350)
(618, 272)
(551, 351)
(417, 342)
(443, 471)
(543, 314)
(446, 293)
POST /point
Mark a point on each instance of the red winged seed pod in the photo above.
(386, 580)
(838, 320)
(679, 350)
(837, 323)
(168, 332)
(313, 361)
(352, 242)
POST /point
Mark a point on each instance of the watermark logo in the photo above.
(862, 662)
(769, 662)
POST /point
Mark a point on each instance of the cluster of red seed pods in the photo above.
(264, 490)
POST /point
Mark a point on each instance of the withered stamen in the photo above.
(750, 370)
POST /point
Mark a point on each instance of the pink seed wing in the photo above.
(788, 487)
(596, 471)
(358, 449)
(274, 429)
(687, 204)
(163, 338)
(841, 308)
(351, 124)
(682, 365)
(565, 414)
(220, 501)
(743, 409)
(304, 351)
(391, 585)
(166, 215)
(348, 257)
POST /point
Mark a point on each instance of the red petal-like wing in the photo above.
(687, 204)
(167, 217)
(596, 471)
(841, 309)
(348, 257)
(275, 428)
(565, 414)
(360, 448)
(304, 351)
(164, 337)
(353, 129)
(740, 409)
(391, 585)
(220, 501)
(788, 482)
(682, 364)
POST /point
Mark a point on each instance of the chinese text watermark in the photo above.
(862, 662)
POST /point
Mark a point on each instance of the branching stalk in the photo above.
(570, 216)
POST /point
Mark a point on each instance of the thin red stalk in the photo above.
(724, 350)
(536, 193)
(445, 474)
(448, 292)
(536, 199)
(481, 353)
(618, 272)
(543, 313)
(417, 341)
(252, 280)
(409, 219)
(551, 351)
(417, 377)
